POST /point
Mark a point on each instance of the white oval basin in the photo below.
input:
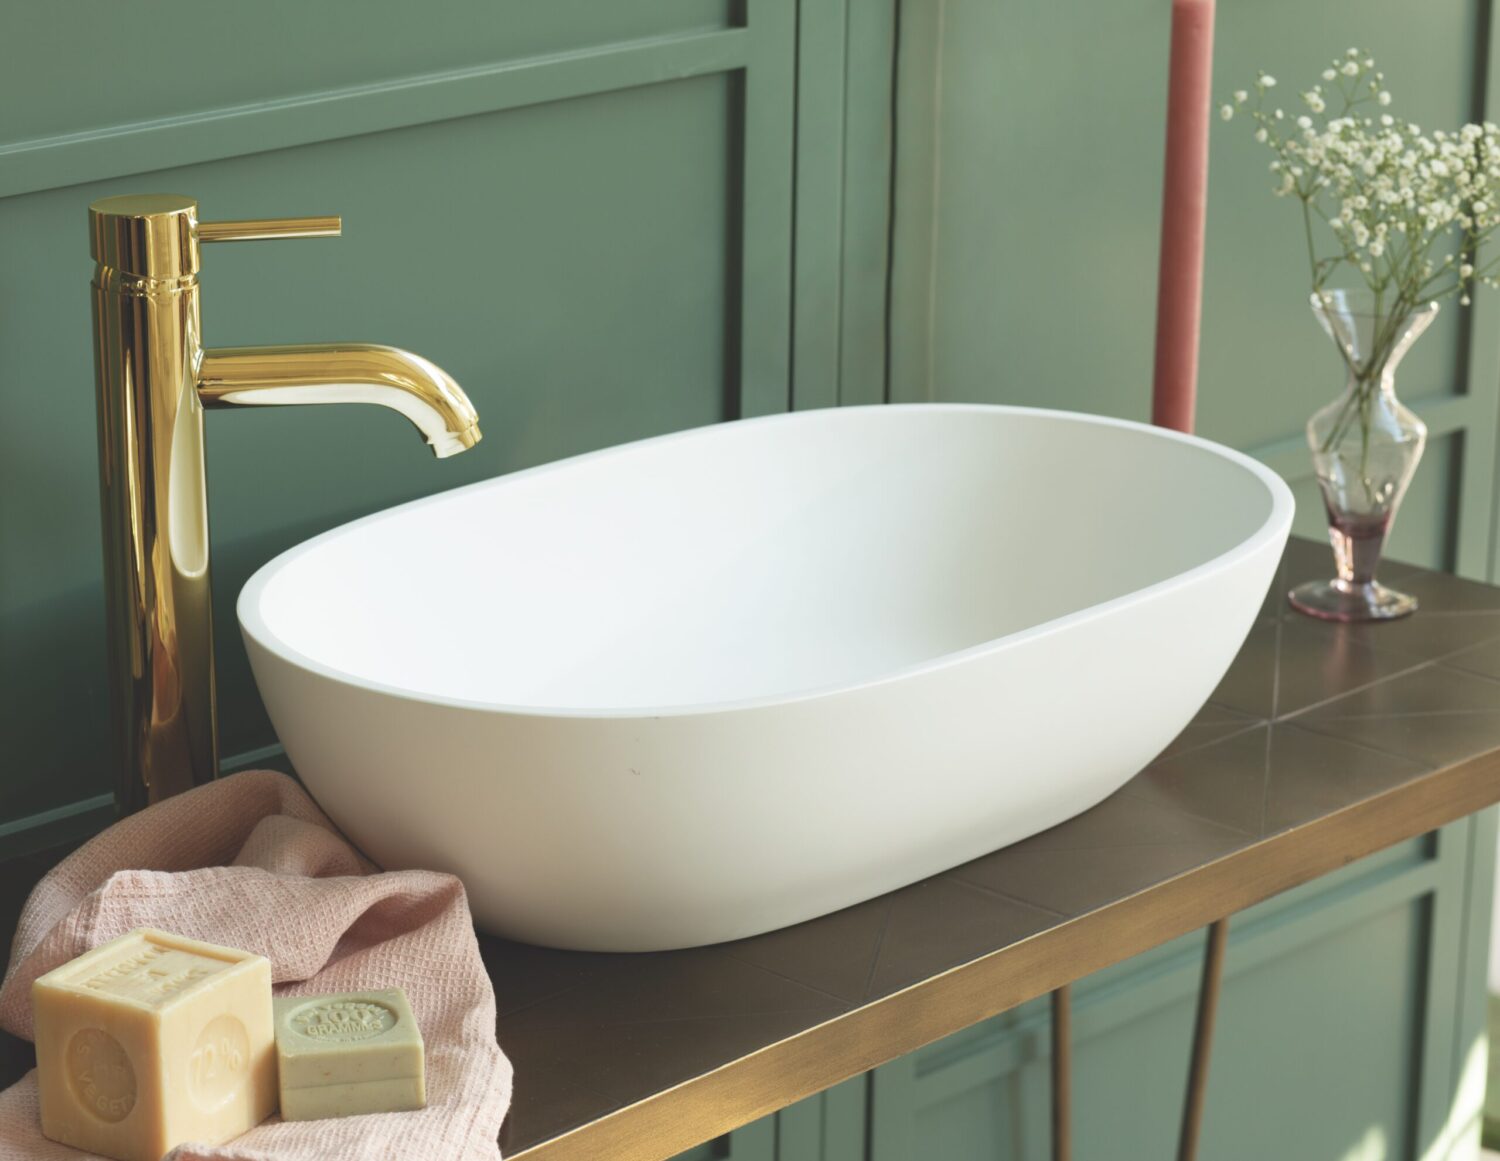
(694, 688)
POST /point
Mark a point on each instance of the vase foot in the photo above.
(1336, 600)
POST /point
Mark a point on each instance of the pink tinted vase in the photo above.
(1365, 447)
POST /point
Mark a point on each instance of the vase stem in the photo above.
(1358, 540)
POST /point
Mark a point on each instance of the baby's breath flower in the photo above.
(1372, 178)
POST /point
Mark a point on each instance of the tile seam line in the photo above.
(824, 992)
(1265, 773)
(1004, 896)
(885, 928)
(1408, 715)
(1352, 690)
(1440, 663)
(1428, 766)
(1240, 728)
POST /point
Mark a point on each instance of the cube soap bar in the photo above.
(360, 1052)
(152, 1040)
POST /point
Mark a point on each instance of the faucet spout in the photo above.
(343, 373)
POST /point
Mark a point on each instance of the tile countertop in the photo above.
(1322, 744)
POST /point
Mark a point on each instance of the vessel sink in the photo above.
(701, 686)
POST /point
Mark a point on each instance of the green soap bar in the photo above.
(359, 1052)
(345, 1100)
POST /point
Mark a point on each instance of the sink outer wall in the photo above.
(639, 832)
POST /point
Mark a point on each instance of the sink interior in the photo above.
(837, 560)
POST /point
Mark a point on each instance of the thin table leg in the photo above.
(1203, 1036)
(1062, 1070)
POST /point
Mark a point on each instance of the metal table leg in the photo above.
(1203, 1035)
(1062, 1069)
(1197, 1085)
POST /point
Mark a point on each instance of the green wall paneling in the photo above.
(1471, 1047)
(214, 59)
(607, 193)
(755, 1142)
(1027, 226)
(827, 1127)
(844, 53)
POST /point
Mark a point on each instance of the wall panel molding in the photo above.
(1479, 510)
(302, 119)
(767, 175)
(845, 85)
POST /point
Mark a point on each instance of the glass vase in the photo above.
(1365, 447)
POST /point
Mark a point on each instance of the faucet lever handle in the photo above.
(250, 230)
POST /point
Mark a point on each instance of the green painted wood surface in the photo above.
(1027, 226)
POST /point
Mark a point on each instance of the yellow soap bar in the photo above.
(152, 1040)
(359, 1052)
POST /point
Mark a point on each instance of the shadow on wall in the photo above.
(1458, 1135)
(58, 639)
(243, 724)
(46, 650)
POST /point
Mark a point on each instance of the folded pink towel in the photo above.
(250, 862)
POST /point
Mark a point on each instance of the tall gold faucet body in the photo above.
(154, 380)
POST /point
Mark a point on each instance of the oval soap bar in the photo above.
(151, 1040)
(358, 1052)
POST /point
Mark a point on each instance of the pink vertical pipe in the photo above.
(1184, 203)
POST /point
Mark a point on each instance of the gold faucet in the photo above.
(154, 380)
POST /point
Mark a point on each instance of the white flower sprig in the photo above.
(1408, 211)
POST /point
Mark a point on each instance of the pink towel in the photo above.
(250, 862)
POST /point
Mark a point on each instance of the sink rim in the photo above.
(1276, 524)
